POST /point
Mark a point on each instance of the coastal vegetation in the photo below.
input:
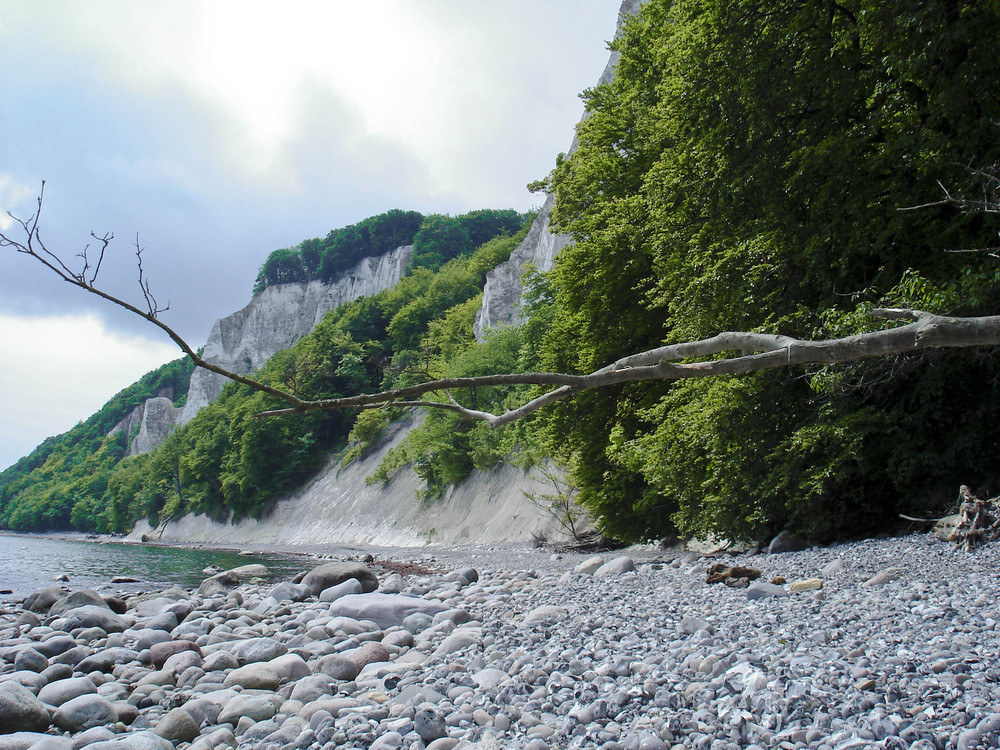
(226, 463)
(758, 167)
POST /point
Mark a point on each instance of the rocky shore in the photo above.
(887, 643)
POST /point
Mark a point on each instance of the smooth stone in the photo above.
(248, 572)
(92, 616)
(312, 688)
(286, 591)
(290, 667)
(22, 740)
(337, 666)
(57, 693)
(417, 622)
(456, 641)
(160, 652)
(218, 661)
(92, 736)
(258, 649)
(21, 710)
(832, 568)
(105, 659)
(34, 681)
(177, 725)
(254, 707)
(255, 676)
(615, 567)
(488, 678)
(42, 600)
(385, 610)
(144, 740)
(590, 565)
(763, 590)
(330, 574)
(55, 645)
(30, 660)
(332, 593)
(429, 725)
(84, 712)
(884, 576)
(544, 614)
(367, 653)
(75, 599)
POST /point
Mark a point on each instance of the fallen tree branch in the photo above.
(759, 352)
(756, 351)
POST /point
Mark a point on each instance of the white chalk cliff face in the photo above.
(278, 316)
(503, 295)
(159, 415)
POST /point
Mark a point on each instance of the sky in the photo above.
(210, 133)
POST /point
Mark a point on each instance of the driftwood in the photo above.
(737, 576)
(980, 519)
(975, 521)
(742, 351)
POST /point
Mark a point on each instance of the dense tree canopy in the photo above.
(226, 462)
(60, 485)
(745, 170)
(436, 239)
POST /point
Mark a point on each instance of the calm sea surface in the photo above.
(29, 563)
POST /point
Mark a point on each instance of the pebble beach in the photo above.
(882, 643)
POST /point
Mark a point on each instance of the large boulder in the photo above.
(385, 610)
(20, 709)
(249, 572)
(58, 692)
(81, 598)
(23, 740)
(257, 649)
(330, 574)
(786, 541)
(40, 601)
(178, 726)
(84, 712)
(92, 616)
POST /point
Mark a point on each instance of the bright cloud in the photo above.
(13, 194)
(56, 371)
(217, 131)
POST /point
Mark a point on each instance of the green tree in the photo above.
(439, 239)
(745, 171)
(281, 267)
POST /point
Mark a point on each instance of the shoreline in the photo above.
(876, 643)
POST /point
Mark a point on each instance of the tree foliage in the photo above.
(744, 171)
(226, 462)
(60, 485)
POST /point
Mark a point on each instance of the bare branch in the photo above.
(33, 246)
(758, 352)
(696, 359)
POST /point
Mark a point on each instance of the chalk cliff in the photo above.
(503, 293)
(149, 423)
(278, 316)
(338, 506)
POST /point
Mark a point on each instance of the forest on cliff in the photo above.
(753, 166)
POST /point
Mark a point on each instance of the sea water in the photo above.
(30, 563)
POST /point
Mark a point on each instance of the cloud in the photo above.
(13, 194)
(216, 132)
(58, 370)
